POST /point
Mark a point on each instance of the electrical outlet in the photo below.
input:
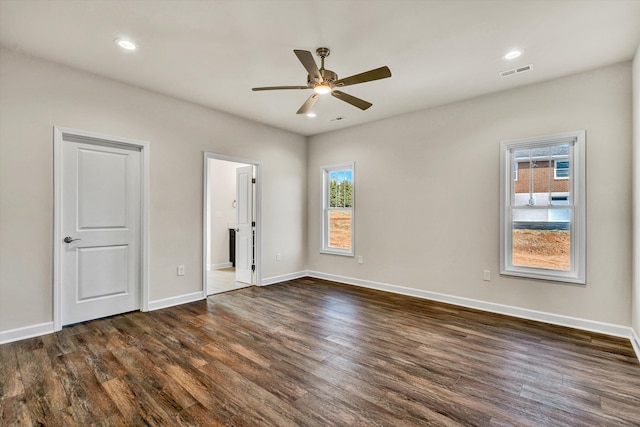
(181, 270)
(278, 256)
(486, 275)
(360, 259)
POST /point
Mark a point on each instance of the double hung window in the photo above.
(542, 208)
(338, 197)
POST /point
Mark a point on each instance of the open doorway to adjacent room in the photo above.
(231, 212)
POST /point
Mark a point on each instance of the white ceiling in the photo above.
(213, 52)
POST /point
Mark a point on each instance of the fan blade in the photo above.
(367, 76)
(356, 102)
(309, 63)
(308, 104)
(280, 87)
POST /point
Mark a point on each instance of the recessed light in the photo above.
(311, 115)
(126, 44)
(513, 54)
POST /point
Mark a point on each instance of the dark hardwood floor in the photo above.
(315, 353)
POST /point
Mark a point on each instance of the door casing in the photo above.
(206, 220)
(62, 134)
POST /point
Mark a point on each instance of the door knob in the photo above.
(69, 239)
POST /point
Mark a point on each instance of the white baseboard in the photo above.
(283, 278)
(26, 332)
(524, 313)
(219, 266)
(177, 300)
(635, 342)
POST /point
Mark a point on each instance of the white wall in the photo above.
(427, 195)
(635, 323)
(36, 94)
(222, 187)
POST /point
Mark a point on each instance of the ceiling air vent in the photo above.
(516, 70)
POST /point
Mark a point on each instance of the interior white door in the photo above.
(244, 219)
(100, 225)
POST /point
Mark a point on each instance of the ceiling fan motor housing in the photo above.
(328, 76)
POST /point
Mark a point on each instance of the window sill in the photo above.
(543, 275)
(348, 253)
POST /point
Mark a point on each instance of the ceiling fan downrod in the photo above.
(328, 76)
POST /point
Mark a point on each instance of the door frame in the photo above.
(60, 135)
(206, 220)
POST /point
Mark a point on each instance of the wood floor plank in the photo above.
(310, 352)
(255, 400)
(125, 400)
(14, 411)
(414, 412)
(83, 388)
(207, 393)
(161, 386)
(11, 384)
(198, 415)
(43, 389)
(275, 381)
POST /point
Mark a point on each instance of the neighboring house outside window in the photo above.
(543, 210)
(338, 195)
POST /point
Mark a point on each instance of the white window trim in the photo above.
(324, 238)
(555, 169)
(577, 180)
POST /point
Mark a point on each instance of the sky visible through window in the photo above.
(344, 175)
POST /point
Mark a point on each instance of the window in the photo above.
(515, 171)
(542, 213)
(337, 209)
(561, 169)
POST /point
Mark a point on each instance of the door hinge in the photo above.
(253, 180)
(253, 223)
(253, 267)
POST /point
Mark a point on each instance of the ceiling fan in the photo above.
(326, 81)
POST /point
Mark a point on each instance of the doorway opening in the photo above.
(232, 206)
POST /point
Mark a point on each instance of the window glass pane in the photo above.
(540, 175)
(341, 189)
(340, 229)
(337, 205)
(542, 238)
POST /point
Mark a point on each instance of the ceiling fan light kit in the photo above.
(322, 89)
(324, 81)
